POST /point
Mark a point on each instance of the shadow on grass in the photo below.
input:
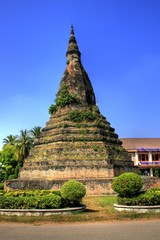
(90, 210)
(85, 212)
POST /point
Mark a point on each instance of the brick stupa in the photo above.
(77, 141)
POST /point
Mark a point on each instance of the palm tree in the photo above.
(36, 131)
(24, 144)
(10, 139)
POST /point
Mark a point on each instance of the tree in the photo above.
(8, 161)
(36, 131)
(14, 151)
(24, 144)
(10, 139)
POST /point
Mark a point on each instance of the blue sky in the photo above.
(120, 46)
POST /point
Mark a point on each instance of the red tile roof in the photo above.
(134, 143)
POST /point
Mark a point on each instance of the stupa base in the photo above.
(93, 186)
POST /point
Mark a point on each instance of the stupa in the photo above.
(77, 141)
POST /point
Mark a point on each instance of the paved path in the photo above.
(132, 230)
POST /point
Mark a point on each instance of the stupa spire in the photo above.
(75, 77)
(73, 49)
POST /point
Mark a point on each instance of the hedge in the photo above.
(70, 194)
(148, 198)
(30, 199)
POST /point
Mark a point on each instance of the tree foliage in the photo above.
(24, 144)
(10, 139)
(15, 150)
(35, 132)
(8, 161)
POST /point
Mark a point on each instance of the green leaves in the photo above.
(73, 191)
(70, 194)
(148, 198)
(36, 131)
(127, 184)
(79, 116)
(64, 98)
(10, 139)
(24, 144)
(8, 161)
(15, 150)
(52, 109)
(30, 202)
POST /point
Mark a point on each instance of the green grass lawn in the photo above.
(99, 208)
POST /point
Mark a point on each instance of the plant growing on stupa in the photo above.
(63, 99)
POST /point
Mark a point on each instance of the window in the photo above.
(155, 157)
(143, 157)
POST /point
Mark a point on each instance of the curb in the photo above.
(41, 212)
(137, 209)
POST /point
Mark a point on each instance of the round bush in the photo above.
(73, 191)
(127, 184)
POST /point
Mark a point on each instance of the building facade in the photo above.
(145, 153)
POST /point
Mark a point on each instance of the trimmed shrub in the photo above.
(31, 202)
(50, 202)
(35, 199)
(72, 192)
(127, 201)
(127, 185)
(148, 198)
(28, 193)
